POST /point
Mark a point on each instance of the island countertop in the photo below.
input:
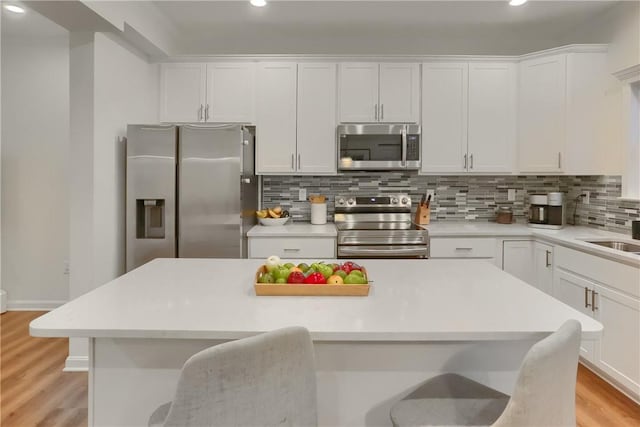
(410, 300)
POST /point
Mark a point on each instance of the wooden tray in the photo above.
(295, 289)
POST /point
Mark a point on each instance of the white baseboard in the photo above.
(76, 364)
(33, 305)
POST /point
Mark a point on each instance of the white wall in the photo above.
(35, 149)
(126, 91)
(112, 85)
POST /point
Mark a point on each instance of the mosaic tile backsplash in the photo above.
(457, 198)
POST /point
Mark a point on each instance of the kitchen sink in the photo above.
(620, 246)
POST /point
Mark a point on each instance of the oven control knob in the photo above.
(351, 202)
(394, 201)
(340, 201)
(405, 200)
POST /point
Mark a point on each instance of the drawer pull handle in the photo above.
(464, 249)
(594, 307)
(291, 249)
(586, 297)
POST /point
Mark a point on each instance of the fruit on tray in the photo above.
(276, 212)
(318, 273)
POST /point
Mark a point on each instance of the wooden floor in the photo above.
(35, 392)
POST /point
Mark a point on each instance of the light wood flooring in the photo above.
(35, 392)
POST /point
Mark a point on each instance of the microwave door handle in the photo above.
(404, 147)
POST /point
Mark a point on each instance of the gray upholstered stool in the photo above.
(265, 380)
(544, 394)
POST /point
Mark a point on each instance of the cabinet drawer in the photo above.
(463, 248)
(613, 274)
(292, 247)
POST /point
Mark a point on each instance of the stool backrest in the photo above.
(265, 380)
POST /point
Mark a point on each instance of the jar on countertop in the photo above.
(504, 215)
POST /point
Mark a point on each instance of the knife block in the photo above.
(423, 214)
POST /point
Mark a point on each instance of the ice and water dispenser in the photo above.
(150, 219)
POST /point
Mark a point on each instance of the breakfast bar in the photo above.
(421, 318)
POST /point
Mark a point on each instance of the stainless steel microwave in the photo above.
(378, 147)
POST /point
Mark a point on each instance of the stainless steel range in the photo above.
(379, 227)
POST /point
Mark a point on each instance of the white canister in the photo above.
(318, 213)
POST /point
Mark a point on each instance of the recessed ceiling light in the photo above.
(517, 2)
(258, 3)
(13, 8)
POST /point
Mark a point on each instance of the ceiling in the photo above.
(375, 27)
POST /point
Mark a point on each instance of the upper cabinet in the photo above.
(215, 92)
(296, 118)
(182, 92)
(386, 93)
(542, 113)
(276, 117)
(468, 117)
(567, 113)
(317, 104)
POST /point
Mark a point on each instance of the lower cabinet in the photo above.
(614, 303)
(529, 261)
(464, 247)
(293, 247)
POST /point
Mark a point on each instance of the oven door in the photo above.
(378, 147)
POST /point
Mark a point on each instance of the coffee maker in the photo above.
(547, 210)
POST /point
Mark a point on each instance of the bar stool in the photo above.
(264, 380)
(544, 393)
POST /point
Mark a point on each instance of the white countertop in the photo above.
(570, 236)
(298, 229)
(410, 300)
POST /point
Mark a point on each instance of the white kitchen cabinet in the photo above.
(371, 92)
(276, 117)
(464, 247)
(293, 247)
(399, 93)
(492, 116)
(182, 92)
(610, 292)
(567, 114)
(542, 113)
(230, 92)
(215, 92)
(468, 117)
(575, 291)
(516, 259)
(543, 267)
(316, 129)
(444, 117)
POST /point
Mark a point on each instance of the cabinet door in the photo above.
(492, 117)
(230, 92)
(276, 117)
(542, 114)
(543, 267)
(399, 93)
(358, 92)
(182, 92)
(317, 91)
(444, 117)
(619, 354)
(576, 293)
(516, 259)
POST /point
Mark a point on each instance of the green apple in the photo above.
(354, 279)
(266, 278)
(280, 273)
(289, 265)
(341, 273)
(281, 280)
(304, 267)
(325, 270)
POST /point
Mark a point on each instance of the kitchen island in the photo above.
(421, 318)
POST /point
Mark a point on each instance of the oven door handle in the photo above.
(404, 147)
(389, 251)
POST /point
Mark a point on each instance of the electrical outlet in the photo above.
(302, 194)
(511, 194)
(587, 197)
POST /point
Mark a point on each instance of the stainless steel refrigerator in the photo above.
(191, 191)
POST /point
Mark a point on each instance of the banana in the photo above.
(262, 213)
(277, 210)
(272, 214)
